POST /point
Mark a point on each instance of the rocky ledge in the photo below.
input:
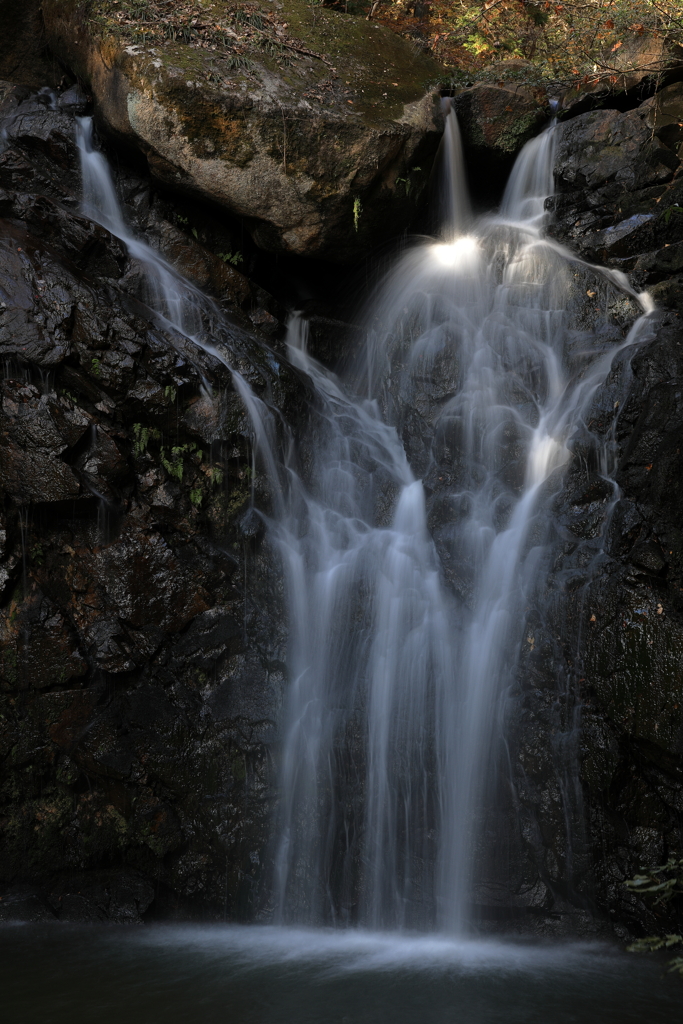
(318, 128)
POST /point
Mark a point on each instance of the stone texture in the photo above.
(620, 190)
(330, 112)
(641, 65)
(495, 123)
(23, 53)
(138, 682)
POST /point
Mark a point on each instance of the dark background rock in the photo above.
(495, 123)
(139, 680)
(142, 636)
(24, 59)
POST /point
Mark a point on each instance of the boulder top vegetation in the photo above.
(564, 42)
(567, 42)
(285, 113)
(291, 40)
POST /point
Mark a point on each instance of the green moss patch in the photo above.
(327, 59)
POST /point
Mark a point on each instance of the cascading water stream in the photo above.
(393, 712)
(395, 705)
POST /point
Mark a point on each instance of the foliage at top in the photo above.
(562, 41)
(237, 29)
(566, 41)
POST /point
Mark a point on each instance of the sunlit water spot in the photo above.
(457, 253)
(545, 455)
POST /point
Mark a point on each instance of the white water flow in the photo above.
(394, 710)
(393, 707)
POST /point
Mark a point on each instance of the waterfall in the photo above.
(370, 646)
(456, 214)
(393, 715)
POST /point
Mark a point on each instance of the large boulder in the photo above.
(496, 121)
(304, 121)
(606, 146)
(620, 191)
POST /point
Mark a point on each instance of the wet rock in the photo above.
(23, 56)
(24, 904)
(629, 237)
(32, 444)
(307, 135)
(620, 191)
(38, 646)
(500, 119)
(620, 636)
(496, 121)
(119, 897)
(606, 146)
(139, 683)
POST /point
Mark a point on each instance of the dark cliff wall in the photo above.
(608, 631)
(142, 627)
(620, 189)
(141, 622)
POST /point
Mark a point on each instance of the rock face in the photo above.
(616, 636)
(304, 121)
(496, 121)
(139, 681)
(620, 189)
(609, 629)
(23, 56)
(641, 65)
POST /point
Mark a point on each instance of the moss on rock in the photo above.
(282, 115)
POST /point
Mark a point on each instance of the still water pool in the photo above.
(263, 975)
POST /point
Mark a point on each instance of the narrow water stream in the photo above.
(393, 714)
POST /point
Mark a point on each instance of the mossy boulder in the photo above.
(496, 121)
(304, 121)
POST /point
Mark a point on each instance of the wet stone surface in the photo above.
(141, 623)
(142, 634)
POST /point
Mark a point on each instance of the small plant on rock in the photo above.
(357, 210)
(666, 881)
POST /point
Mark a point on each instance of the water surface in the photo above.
(265, 975)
